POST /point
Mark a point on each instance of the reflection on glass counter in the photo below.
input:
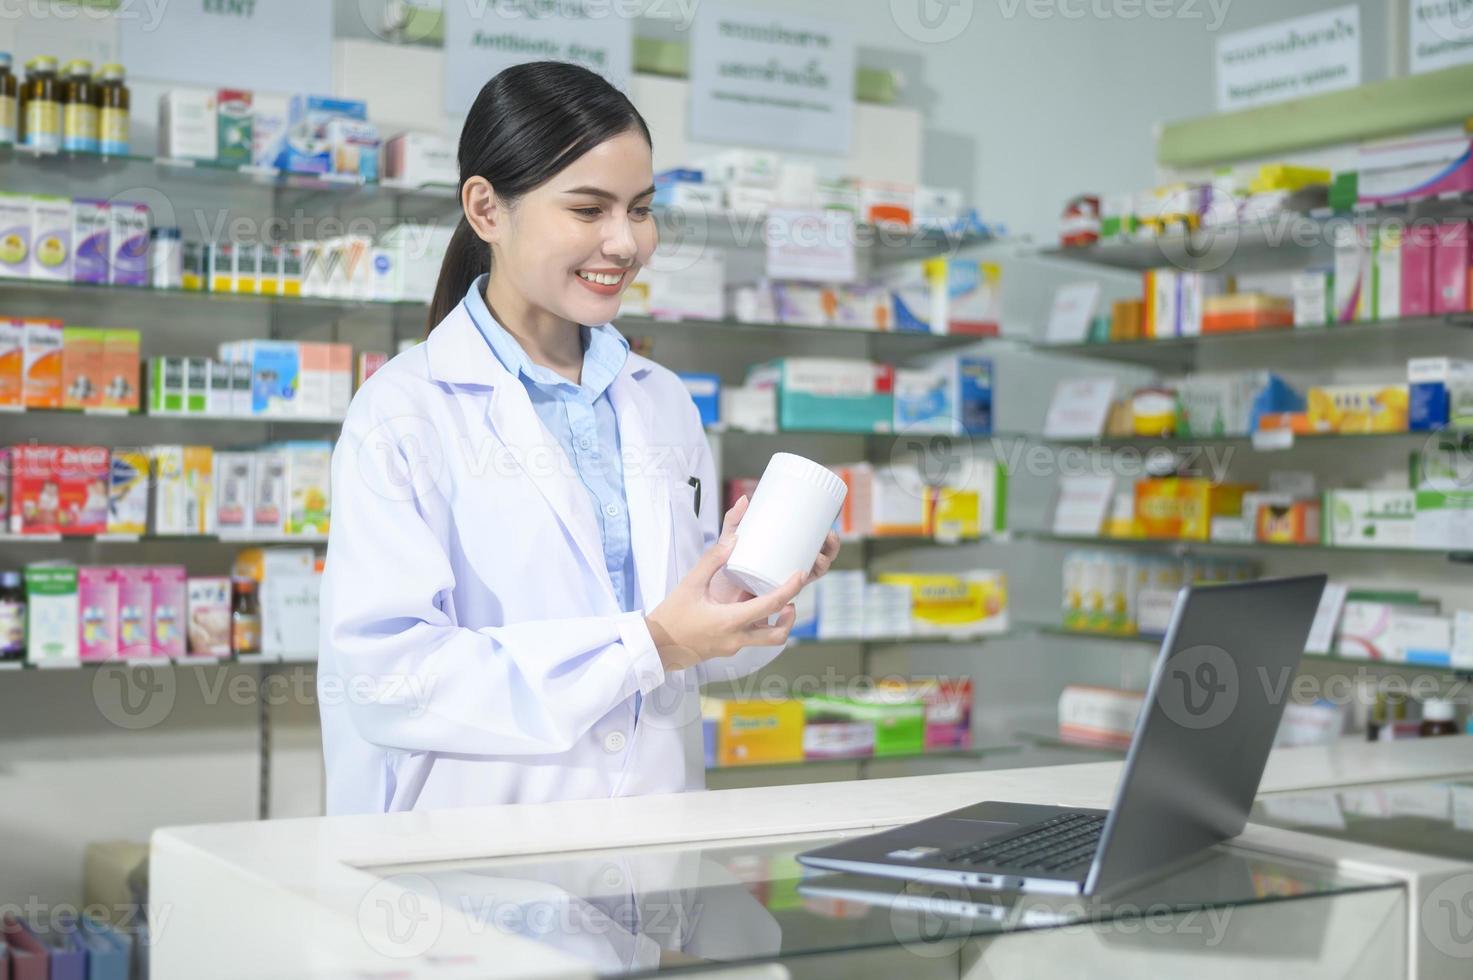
(1434, 818)
(646, 911)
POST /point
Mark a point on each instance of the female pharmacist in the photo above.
(524, 587)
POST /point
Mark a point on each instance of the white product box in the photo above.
(339, 379)
(1463, 640)
(308, 491)
(53, 613)
(1421, 638)
(750, 201)
(289, 617)
(751, 303)
(1099, 714)
(683, 195)
(51, 238)
(171, 503)
(1192, 295)
(1166, 310)
(269, 496)
(749, 409)
(1312, 298)
(1365, 631)
(691, 286)
(420, 158)
(314, 380)
(15, 235)
(234, 492)
(188, 124)
(221, 399)
(898, 502)
(749, 168)
(1370, 518)
(937, 207)
(1388, 275)
(1352, 276)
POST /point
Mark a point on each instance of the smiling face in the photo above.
(571, 246)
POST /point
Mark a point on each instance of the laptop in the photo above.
(1201, 742)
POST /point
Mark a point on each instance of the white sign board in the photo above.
(1079, 409)
(483, 38)
(1289, 59)
(812, 245)
(776, 80)
(279, 45)
(1073, 311)
(1439, 34)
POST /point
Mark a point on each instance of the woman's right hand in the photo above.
(692, 626)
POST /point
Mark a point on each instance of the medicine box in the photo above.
(1314, 298)
(308, 472)
(35, 490)
(15, 235)
(90, 237)
(127, 498)
(1098, 715)
(973, 603)
(1352, 276)
(82, 475)
(1418, 249)
(948, 703)
(81, 367)
(1433, 383)
(1387, 284)
(235, 134)
(12, 362)
(234, 489)
(167, 623)
(188, 124)
(128, 243)
(966, 296)
(135, 611)
(1411, 169)
(51, 238)
(755, 731)
(1370, 518)
(269, 496)
(952, 397)
(53, 614)
(830, 393)
(97, 600)
(416, 159)
(119, 372)
(275, 372)
(306, 144)
(705, 391)
(354, 144)
(1450, 261)
(207, 604)
(1421, 638)
(898, 716)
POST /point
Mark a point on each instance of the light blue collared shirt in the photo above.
(581, 418)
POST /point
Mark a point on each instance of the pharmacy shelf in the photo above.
(1261, 441)
(1149, 642)
(230, 539)
(685, 229)
(1041, 740)
(304, 658)
(912, 639)
(1256, 245)
(911, 341)
(1181, 351)
(1186, 547)
(94, 414)
(978, 752)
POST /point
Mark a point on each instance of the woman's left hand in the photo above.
(724, 588)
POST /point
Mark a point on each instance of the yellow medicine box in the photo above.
(1183, 507)
(753, 731)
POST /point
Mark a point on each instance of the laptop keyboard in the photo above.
(1057, 843)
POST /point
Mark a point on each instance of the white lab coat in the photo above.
(472, 648)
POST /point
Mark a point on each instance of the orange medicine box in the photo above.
(120, 370)
(1183, 507)
(42, 380)
(81, 367)
(12, 362)
(1294, 523)
(754, 731)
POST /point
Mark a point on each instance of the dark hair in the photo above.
(528, 123)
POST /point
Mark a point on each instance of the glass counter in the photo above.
(1433, 818)
(664, 910)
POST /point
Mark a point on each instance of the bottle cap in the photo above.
(112, 71)
(79, 66)
(42, 62)
(165, 233)
(1439, 710)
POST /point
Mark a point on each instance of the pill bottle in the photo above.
(78, 108)
(791, 512)
(166, 258)
(112, 111)
(1439, 717)
(9, 101)
(41, 105)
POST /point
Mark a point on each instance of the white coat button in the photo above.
(614, 742)
(585, 443)
(611, 509)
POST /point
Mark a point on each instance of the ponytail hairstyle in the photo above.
(528, 123)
